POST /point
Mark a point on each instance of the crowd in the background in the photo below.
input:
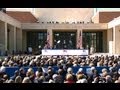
(64, 74)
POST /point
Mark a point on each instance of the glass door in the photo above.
(36, 40)
(94, 39)
(64, 40)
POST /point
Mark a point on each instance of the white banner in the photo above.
(64, 52)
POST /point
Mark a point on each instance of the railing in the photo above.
(10, 70)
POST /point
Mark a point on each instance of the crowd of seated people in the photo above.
(64, 74)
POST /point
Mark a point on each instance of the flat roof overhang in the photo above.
(115, 22)
(90, 26)
(7, 19)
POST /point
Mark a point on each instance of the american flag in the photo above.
(79, 42)
(47, 43)
(48, 37)
(48, 40)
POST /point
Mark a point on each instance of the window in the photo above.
(65, 40)
(36, 39)
(93, 38)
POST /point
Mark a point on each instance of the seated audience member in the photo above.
(69, 79)
(26, 80)
(18, 79)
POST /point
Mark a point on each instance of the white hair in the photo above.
(2, 69)
(69, 70)
(80, 70)
(37, 73)
(104, 70)
(26, 80)
(54, 76)
(51, 81)
(92, 68)
(82, 81)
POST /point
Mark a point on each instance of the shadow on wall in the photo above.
(1, 49)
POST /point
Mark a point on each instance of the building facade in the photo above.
(20, 30)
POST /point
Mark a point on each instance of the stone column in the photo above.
(117, 39)
(15, 39)
(110, 41)
(6, 44)
(114, 40)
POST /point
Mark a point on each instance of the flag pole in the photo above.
(78, 38)
(81, 39)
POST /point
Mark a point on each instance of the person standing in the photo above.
(30, 50)
(92, 50)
